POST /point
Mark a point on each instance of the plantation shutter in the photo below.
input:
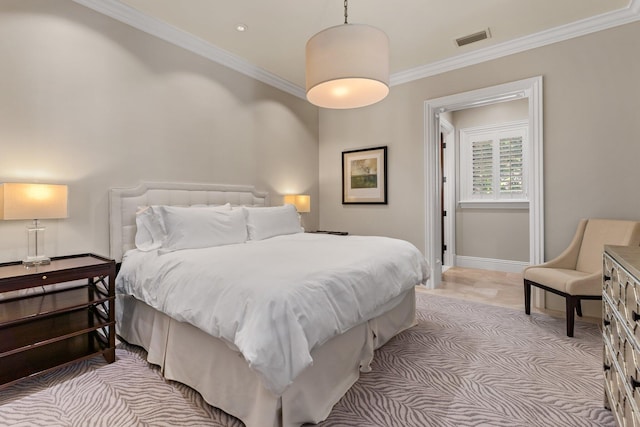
(511, 165)
(482, 167)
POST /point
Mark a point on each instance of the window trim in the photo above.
(494, 204)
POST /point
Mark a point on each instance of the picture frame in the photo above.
(364, 176)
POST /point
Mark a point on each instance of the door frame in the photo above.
(531, 89)
(449, 192)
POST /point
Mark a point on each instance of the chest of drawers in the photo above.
(621, 333)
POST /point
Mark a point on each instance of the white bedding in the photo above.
(277, 299)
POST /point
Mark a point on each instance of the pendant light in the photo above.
(347, 66)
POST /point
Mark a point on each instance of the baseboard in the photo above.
(507, 266)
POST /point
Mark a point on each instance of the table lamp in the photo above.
(302, 202)
(35, 202)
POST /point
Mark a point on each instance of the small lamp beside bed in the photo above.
(20, 201)
(302, 202)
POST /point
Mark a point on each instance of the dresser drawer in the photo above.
(609, 369)
(631, 416)
(620, 341)
(627, 296)
(629, 301)
(633, 305)
(608, 282)
(608, 321)
(621, 406)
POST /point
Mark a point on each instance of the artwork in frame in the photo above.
(364, 176)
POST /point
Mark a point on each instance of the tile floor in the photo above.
(488, 287)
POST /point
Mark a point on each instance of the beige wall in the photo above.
(591, 137)
(93, 103)
(501, 234)
(491, 233)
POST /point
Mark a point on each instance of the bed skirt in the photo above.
(222, 376)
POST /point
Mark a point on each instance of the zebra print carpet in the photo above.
(464, 364)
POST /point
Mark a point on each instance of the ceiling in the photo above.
(422, 33)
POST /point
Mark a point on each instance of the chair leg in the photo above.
(578, 307)
(527, 297)
(571, 308)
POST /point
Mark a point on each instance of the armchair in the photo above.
(576, 274)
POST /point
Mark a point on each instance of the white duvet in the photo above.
(275, 300)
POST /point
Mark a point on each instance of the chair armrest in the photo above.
(587, 285)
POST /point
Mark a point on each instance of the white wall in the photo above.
(93, 103)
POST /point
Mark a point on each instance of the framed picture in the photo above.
(364, 176)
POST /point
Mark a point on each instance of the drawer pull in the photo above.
(606, 367)
(635, 316)
(606, 322)
(634, 383)
(44, 277)
(606, 278)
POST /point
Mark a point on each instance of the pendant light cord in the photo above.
(345, 12)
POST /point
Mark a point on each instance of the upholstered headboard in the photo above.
(124, 202)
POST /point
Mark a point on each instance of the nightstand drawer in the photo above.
(14, 276)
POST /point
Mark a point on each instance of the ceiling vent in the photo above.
(472, 38)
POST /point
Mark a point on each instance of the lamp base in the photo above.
(35, 246)
(35, 261)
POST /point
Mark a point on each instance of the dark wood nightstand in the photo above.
(335, 233)
(55, 327)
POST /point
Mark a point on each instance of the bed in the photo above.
(314, 360)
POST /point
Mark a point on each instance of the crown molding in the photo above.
(168, 33)
(575, 29)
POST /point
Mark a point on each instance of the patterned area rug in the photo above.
(464, 364)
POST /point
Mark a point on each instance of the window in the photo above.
(493, 163)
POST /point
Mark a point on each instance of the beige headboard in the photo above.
(124, 202)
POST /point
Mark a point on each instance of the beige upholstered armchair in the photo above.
(576, 273)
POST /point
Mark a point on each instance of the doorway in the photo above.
(484, 199)
(530, 89)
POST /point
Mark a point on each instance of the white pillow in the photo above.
(149, 229)
(263, 223)
(202, 227)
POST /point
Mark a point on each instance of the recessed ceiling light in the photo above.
(241, 27)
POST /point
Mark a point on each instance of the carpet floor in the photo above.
(464, 364)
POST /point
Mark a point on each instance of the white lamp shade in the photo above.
(347, 66)
(33, 201)
(302, 202)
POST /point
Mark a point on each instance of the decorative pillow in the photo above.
(263, 223)
(150, 231)
(202, 227)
